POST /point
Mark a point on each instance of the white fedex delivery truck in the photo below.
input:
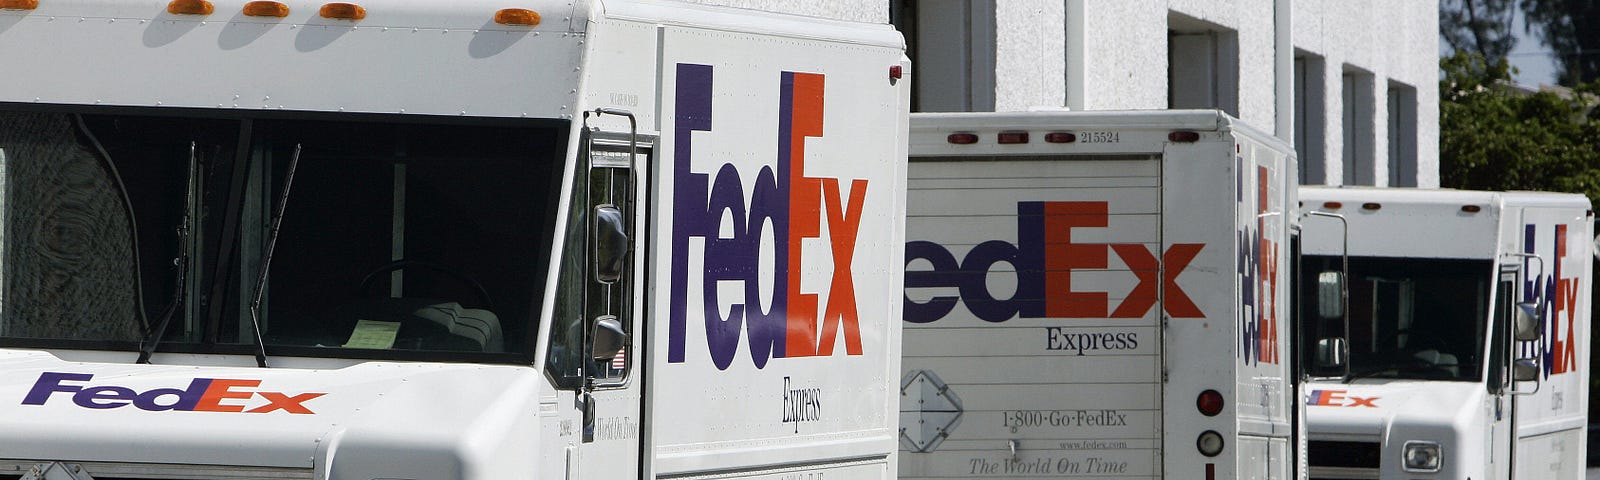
(1450, 332)
(1097, 295)
(471, 239)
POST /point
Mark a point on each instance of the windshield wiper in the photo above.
(266, 258)
(1369, 373)
(1397, 366)
(147, 346)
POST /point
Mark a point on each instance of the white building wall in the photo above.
(1125, 53)
(1252, 21)
(1113, 54)
(1124, 62)
(1394, 41)
(1030, 70)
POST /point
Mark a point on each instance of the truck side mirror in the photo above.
(609, 338)
(1331, 352)
(1524, 370)
(610, 244)
(1330, 295)
(1527, 322)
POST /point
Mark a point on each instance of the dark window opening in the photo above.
(397, 239)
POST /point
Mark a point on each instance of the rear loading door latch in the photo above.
(929, 411)
(56, 471)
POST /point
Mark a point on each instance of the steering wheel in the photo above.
(452, 272)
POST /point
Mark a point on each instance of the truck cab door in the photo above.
(596, 341)
(1501, 404)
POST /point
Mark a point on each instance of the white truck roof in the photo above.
(1139, 132)
(1455, 218)
(124, 53)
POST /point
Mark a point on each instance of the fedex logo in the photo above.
(1045, 257)
(783, 198)
(202, 395)
(1258, 273)
(1556, 296)
(1339, 398)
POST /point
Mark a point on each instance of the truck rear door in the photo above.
(1033, 337)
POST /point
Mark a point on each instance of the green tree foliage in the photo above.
(1495, 137)
(1569, 27)
(1482, 27)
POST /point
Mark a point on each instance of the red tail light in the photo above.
(1209, 402)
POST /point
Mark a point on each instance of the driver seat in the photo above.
(476, 325)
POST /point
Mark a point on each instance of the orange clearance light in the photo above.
(517, 16)
(343, 11)
(1371, 206)
(1471, 208)
(1060, 137)
(190, 7)
(1008, 138)
(19, 4)
(1332, 205)
(1183, 137)
(266, 9)
(962, 138)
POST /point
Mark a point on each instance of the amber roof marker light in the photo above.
(342, 11)
(19, 4)
(521, 17)
(266, 9)
(191, 7)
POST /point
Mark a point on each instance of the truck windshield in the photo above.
(409, 240)
(1411, 318)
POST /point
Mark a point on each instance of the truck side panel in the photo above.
(777, 243)
(1551, 422)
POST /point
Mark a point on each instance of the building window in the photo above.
(1310, 117)
(951, 46)
(1358, 127)
(1402, 135)
(1202, 65)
